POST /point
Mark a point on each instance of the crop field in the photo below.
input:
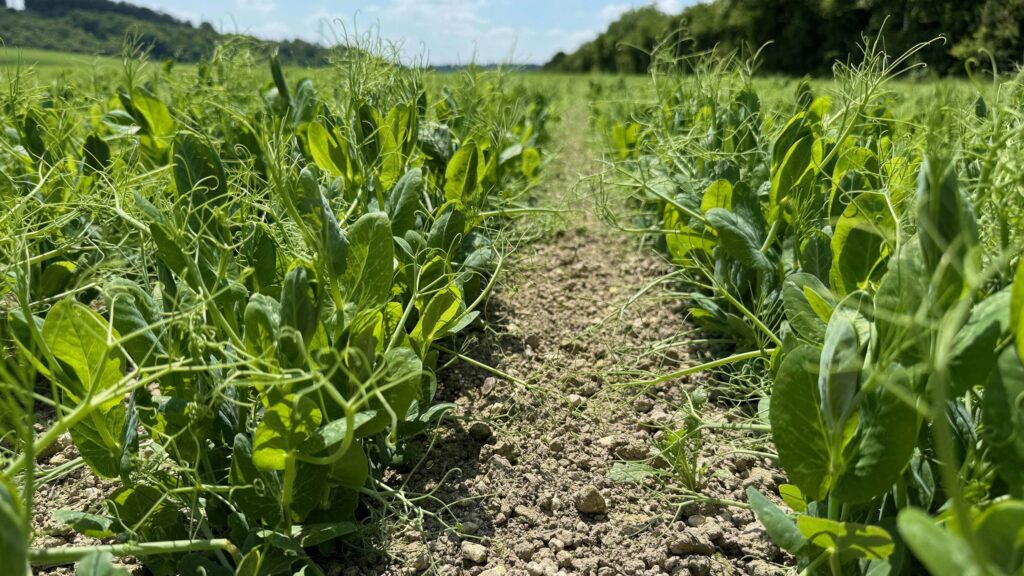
(373, 319)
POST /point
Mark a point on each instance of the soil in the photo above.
(518, 482)
(526, 477)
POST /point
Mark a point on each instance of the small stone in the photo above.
(523, 551)
(470, 528)
(564, 559)
(58, 459)
(575, 400)
(533, 341)
(643, 404)
(490, 383)
(420, 560)
(591, 501)
(543, 568)
(498, 570)
(532, 517)
(556, 445)
(690, 543)
(696, 520)
(481, 431)
(475, 553)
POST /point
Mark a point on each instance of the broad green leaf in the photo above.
(352, 469)
(848, 539)
(77, 336)
(403, 202)
(797, 169)
(262, 320)
(900, 295)
(56, 278)
(798, 427)
(13, 542)
(257, 493)
(438, 317)
(863, 238)
(370, 269)
(684, 245)
(134, 311)
(793, 497)
(461, 175)
(947, 228)
(1017, 310)
(530, 162)
(286, 425)
(718, 195)
(95, 154)
(1003, 418)
(1000, 531)
(884, 441)
(808, 304)
(399, 380)
(779, 526)
(974, 352)
(839, 372)
(198, 171)
(327, 153)
(314, 534)
(739, 239)
(335, 431)
(941, 552)
(91, 525)
(144, 510)
(299, 302)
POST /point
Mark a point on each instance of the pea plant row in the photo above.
(228, 289)
(858, 243)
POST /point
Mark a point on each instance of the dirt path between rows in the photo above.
(518, 483)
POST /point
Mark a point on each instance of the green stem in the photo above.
(71, 554)
(702, 367)
(482, 366)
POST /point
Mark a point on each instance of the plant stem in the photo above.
(71, 554)
(702, 367)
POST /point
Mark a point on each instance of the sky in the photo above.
(439, 31)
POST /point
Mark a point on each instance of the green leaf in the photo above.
(884, 441)
(327, 153)
(684, 245)
(839, 372)
(299, 303)
(633, 472)
(403, 202)
(198, 171)
(1003, 418)
(795, 169)
(91, 525)
(941, 552)
(77, 337)
(1017, 309)
(1000, 532)
(286, 425)
(402, 371)
(145, 511)
(352, 469)
(257, 493)
(739, 238)
(779, 526)
(718, 195)
(974, 349)
(134, 311)
(861, 243)
(793, 497)
(95, 154)
(262, 320)
(848, 539)
(900, 295)
(460, 178)
(808, 304)
(798, 427)
(368, 276)
(56, 278)
(440, 314)
(947, 228)
(13, 542)
(314, 534)
(99, 563)
(530, 162)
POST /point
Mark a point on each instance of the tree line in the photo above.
(808, 36)
(101, 26)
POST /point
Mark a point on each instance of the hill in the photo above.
(808, 36)
(101, 26)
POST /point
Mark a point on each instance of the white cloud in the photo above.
(261, 6)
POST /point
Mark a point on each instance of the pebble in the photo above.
(690, 543)
(590, 501)
(543, 568)
(575, 400)
(476, 553)
(498, 570)
(643, 404)
(481, 431)
(533, 341)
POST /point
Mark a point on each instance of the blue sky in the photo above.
(444, 31)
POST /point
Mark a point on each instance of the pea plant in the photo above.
(859, 248)
(228, 290)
